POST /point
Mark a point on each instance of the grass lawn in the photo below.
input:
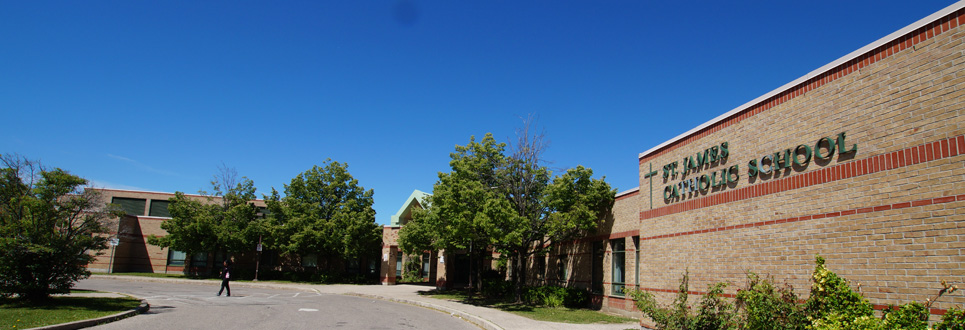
(550, 314)
(16, 314)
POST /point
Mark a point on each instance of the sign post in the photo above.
(258, 259)
(110, 264)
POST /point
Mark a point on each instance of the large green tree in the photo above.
(510, 203)
(50, 228)
(456, 219)
(223, 220)
(539, 210)
(324, 212)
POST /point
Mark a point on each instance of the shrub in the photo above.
(496, 288)
(833, 305)
(555, 296)
(761, 305)
(954, 319)
(673, 316)
(412, 270)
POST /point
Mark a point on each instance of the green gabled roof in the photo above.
(414, 199)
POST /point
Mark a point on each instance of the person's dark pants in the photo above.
(224, 285)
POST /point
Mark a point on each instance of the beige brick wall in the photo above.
(134, 254)
(890, 216)
(390, 238)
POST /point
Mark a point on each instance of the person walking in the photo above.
(225, 277)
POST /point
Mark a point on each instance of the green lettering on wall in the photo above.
(702, 158)
(752, 168)
(828, 144)
(842, 144)
(733, 172)
(807, 154)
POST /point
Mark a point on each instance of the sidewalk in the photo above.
(486, 318)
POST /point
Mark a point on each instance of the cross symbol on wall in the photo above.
(650, 175)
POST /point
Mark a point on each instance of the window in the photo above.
(353, 266)
(200, 259)
(540, 265)
(636, 261)
(176, 258)
(597, 282)
(159, 208)
(561, 271)
(310, 260)
(131, 206)
(619, 265)
(426, 257)
(398, 264)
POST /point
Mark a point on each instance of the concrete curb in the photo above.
(142, 308)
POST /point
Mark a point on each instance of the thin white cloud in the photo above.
(142, 166)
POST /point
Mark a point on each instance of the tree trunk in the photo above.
(519, 274)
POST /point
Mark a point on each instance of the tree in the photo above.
(537, 212)
(206, 225)
(324, 212)
(455, 219)
(50, 228)
(510, 203)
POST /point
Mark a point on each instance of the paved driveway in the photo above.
(196, 306)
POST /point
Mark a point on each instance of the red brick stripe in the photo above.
(933, 311)
(880, 208)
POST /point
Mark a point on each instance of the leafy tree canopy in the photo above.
(456, 218)
(509, 202)
(224, 220)
(50, 228)
(325, 212)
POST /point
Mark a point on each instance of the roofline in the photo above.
(415, 196)
(627, 192)
(160, 193)
(824, 69)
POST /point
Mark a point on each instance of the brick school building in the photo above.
(861, 161)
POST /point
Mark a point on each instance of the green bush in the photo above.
(412, 270)
(954, 319)
(555, 296)
(714, 312)
(496, 288)
(761, 305)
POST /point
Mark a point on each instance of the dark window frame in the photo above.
(618, 266)
(159, 208)
(131, 206)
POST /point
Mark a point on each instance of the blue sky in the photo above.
(157, 95)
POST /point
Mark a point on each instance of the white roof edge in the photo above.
(160, 192)
(627, 192)
(827, 67)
